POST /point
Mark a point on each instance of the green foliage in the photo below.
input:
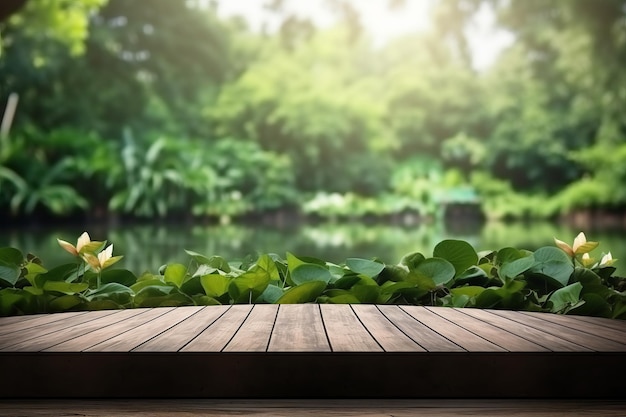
(226, 121)
(550, 279)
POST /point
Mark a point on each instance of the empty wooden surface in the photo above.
(340, 350)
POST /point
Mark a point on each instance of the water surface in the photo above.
(146, 246)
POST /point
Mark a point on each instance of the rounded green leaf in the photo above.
(458, 252)
(303, 293)
(120, 276)
(11, 256)
(365, 266)
(9, 274)
(215, 285)
(310, 272)
(517, 267)
(248, 287)
(553, 263)
(175, 273)
(438, 269)
(565, 298)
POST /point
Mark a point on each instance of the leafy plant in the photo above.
(562, 279)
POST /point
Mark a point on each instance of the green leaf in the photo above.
(66, 272)
(9, 274)
(338, 297)
(161, 296)
(367, 294)
(199, 258)
(139, 285)
(565, 298)
(438, 269)
(594, 305)
(14, 301)
(412, 260)
(65, 287)
(32, 271)
(310, 272)
(175, 273)
(364, 266)
(346, 282)
(271, 294)
(65, 303)
(303, 293)
(192, 286)
(12, 256)
(474, 275)
(248, 287)
(507, 255)
(215, 285)
(267, 265)
(517, 267)
(458, 252)
(121, 294)
(553, 263)
(120, 276)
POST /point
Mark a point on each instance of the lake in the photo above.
(146, 246)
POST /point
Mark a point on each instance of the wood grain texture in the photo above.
(423, 335)
(133, 319)
(464, 338)
(585, 340)
(391, 338)
(284, 351)
(345, 331)
(299, 328)
(215, 337)
(47, 340)
(12, 325)
(548, 340)
(597, 328)
(497, 335)
(254, 334)
(19, 338)
(144, 331)
(313, 408)
(175, 338)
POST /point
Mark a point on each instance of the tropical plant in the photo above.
(563, 279)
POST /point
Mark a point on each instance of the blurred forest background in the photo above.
(166, 109)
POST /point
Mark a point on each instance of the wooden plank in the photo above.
(135, 318)
(344, 330)
(574, 322)
(6, 320)
(314, 408)
(496, 335)
(616, 324)
(215, 337)
(299, 328)
(451, 331)
(127, 341)
(421, 334)
(254, 334)
(19, 325)
(174, 338)
(583, 339)
(550, 341)
(386, 334)
(69, 321)
(102, 319)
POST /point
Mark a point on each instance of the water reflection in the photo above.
(146, 247)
